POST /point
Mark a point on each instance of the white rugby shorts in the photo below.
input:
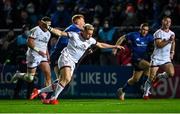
(65, 60)
(158, 62)
(33, 60)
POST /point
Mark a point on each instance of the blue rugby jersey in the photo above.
(139, 45)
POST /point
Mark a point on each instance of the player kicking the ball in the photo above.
(70, 55)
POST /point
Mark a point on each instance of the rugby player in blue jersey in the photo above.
(140, 42)
(76, 26)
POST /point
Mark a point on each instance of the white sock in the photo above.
(20, 75)
(147, 87)
(58, 90)
(49, 88)
(27, 77)
(162, 75)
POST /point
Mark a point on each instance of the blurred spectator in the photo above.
(23, 17)
(131, 18)
(144, 10)
(61, 17)
(156, 10)
(20, 58)
(171, 10)
(52, 44)
(21, 44)
(32, 14)
(7, 11)
(5, 45)
(116, 13)
(176, 14)
(107, 34)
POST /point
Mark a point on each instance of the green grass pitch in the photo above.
(92, 106)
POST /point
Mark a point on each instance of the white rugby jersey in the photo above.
(41, 39)
(77, 46)
(164, 52)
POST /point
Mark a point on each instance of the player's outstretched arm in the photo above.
(57, 31)
(105, 45)
(119, 42)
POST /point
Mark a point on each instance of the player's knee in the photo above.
(136, 80)
(132, 81)
(146, 67)
(171, 74)
(67, 79)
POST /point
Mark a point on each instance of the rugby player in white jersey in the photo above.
(37, 53)
(70, 55)
(164, 42)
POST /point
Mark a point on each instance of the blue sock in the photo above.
(126, 85)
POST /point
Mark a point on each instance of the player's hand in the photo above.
(120, 47)
(115, 50)
(42, 53)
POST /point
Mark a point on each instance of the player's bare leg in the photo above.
(148, 83)
(63, 81)
(169, 72)
(57, 72)
(46, 89)
(47, 72)
(144, 65)
(29, 76)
